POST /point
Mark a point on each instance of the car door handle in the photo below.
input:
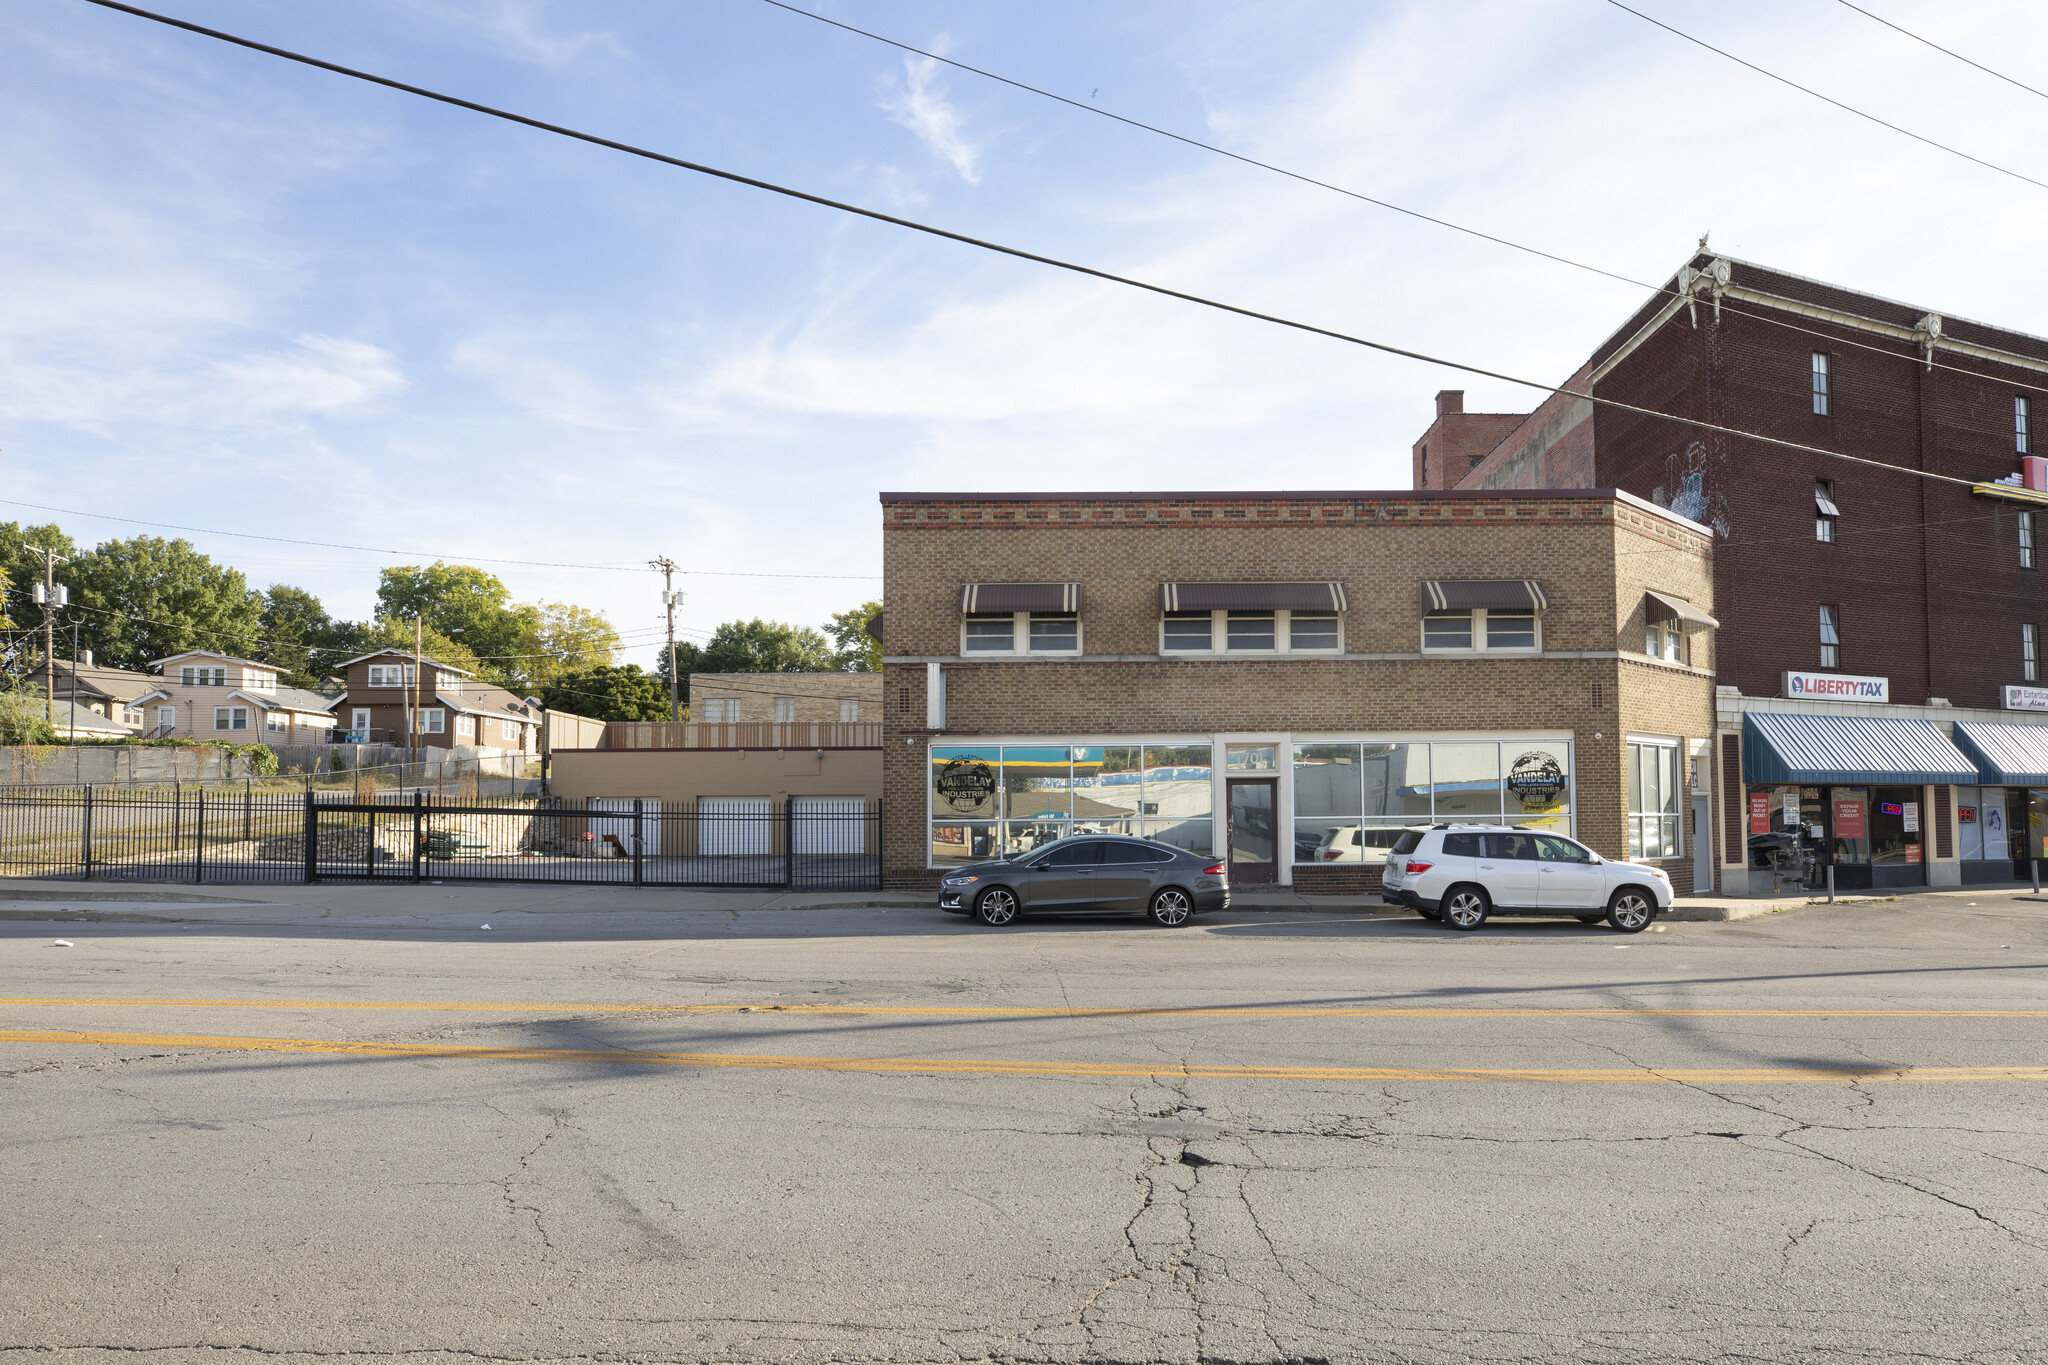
(1486, 867)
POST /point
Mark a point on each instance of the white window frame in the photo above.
(785, 710)
(2019, 424)
(2030, 652)
(2026, 527)
(236, 718)
(1823, 519)
(1670, 827)
(508, 729)
(1830, 635)
(1479, 645)
(382, 675)
(465, 726)
(1020, 635)
(431, 720)
(259, 682)
(448, 682)
(277, 722)
(131, 715)
(188, 676)
(359, 719)
(1822, 383)
(1664, 641)
(722, 710)
(849, 710)
(1219, 637)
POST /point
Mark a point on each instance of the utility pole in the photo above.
(51, 596)
(670, 600)
(413, 721)
(73, 712)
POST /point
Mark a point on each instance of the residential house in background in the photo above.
(456, 709)
(205, 695)
(110, 693)
(76, 720)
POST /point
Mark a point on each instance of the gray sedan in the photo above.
(1171, 885)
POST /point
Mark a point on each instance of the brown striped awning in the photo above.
(976, 597)
(1494, 594)
(1252, 596)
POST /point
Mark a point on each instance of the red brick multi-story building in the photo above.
(1925, 580)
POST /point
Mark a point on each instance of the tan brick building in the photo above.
(784, 698)
(1285, 679)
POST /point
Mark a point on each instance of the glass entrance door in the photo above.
(1252, 842)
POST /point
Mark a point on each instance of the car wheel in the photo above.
(1591, 919)
(1464, 908)
(1172, 908)
(996, 907)
(1631, 910)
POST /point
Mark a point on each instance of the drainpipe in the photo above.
(934, 697)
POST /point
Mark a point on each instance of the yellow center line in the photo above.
(1022, 1011)
(944, 1066)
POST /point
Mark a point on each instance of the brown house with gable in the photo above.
(456, 709)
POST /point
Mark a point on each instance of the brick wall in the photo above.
(1456, 441)
(1594, 554)
(816, 695)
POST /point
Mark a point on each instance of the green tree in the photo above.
(857, 651)
(565, 639)
(146, 599)
(609, 692)
(358, 637)
(24, 718)
(689, 659)
(463, 602)
(299, 635)
(21, 566)
(759, 646)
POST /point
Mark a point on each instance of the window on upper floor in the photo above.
(1481, 628)
(1830, 637)
(1822, 369)
(259, 682)
(2030, 652)
(1424, 481)
(1020, 632)
(1245, 631)
(448, 682)
(785, 710)
(2026, 540)
(849, 710)
(1664, 640)
(1825, 512)
(203, 676)
(391, 675)
(2019, 425)
(721, 710)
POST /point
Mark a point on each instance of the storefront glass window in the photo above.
(1538, 786)
(1891, 810)
(1653, 801)
(2036, 845)
(1969, 825)
(1326, 803)
(1396, 781)
(1108, 790)
(965, 783)
(1037, 783)
(1467, 781)
(1849, 811)
(958, 844)
(1179, 803)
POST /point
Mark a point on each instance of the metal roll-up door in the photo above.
(730, 826)
(829, 824)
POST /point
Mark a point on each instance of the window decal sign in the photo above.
(1891, 808)
(1912, 814)
(1537, 780)
(1837, 687)
(1849, 820)
(1760, 813)
(965, 784)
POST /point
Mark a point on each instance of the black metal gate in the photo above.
(411, 836)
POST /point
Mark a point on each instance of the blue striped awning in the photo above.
(2006, 755)
(1853, 750)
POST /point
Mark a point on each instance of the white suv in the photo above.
(1460, 874)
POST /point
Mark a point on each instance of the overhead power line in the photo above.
(1019, 253)
(1663, 290)
(1948, 52)
(1807, 90)
(414, 554)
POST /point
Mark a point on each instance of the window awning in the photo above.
(1859, 750)
(1658, 606)
(1498, 594)
(1252, 597)
(1020, 597)
(2010, 755)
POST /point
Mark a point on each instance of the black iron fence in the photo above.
(398, 835)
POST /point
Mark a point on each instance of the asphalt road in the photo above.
(857, 1134)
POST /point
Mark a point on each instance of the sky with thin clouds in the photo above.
(249, 296)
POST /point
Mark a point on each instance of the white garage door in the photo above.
(650, 822)
(729, 825)
(829, 824)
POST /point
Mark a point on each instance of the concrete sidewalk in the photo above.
(469, 904)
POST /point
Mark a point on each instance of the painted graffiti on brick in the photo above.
(1685, 490)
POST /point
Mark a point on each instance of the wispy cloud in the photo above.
(919, 105)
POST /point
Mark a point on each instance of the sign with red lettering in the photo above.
(1966, 815)
(1849, 820)
(1760, 813)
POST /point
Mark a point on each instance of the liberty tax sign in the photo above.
(1837, 687)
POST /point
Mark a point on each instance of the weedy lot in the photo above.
(796, 1135)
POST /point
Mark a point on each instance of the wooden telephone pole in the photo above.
(52, 597)
(670, 600)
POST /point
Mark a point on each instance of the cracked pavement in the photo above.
(173, 1201)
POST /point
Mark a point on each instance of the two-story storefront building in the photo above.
(1288, 679)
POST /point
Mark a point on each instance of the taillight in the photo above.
(1331, 856)
(1419, 867)
(1213, 870)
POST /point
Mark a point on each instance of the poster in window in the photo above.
(1849, 820)
(1912, 853)
(1912, 814)
(1759, 813)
